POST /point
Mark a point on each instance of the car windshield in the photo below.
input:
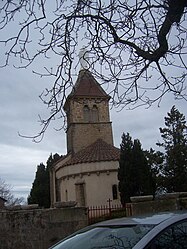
(110, 237)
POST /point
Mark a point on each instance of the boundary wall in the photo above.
(39, 228)
(163, 203)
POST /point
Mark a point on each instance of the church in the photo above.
(87, 174)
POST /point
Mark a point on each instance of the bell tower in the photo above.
(87, 110)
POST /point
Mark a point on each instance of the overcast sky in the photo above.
(19, 109)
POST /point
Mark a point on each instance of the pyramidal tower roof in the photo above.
(87, 86)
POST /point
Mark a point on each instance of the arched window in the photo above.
(86, 113)
(57, 187)
(80, 194)
(95, 114)
(66, 195)
(115, 192)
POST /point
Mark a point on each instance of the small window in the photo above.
(80, 194)
(95, 114)
(57, 188)
(114, 192)
(86, 113)
(66, 195)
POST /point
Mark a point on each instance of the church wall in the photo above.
(85, 168)
(67, 189)
(82, 135)
(99, 188)
(95, 179)
(80, 132)
(76, 109)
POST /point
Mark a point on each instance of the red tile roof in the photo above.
(96, 152)
(87, 86)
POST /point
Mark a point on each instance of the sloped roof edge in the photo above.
(87, 85)
(96, 152)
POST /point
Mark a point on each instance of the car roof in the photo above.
(149, 219)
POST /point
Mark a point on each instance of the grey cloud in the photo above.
(19, 109)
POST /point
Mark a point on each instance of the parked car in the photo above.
(157, 231)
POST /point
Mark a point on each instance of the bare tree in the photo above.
(5, 192)
(136, 48)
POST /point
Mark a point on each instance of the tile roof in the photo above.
(87, 86)
(96, 152)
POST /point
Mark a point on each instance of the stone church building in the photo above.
(88, 173)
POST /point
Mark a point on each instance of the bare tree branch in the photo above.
(5, 192)
(137, 49)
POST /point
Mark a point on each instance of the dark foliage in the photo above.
(134, 174)
(40, 192)
(174, 137)
(155, 161)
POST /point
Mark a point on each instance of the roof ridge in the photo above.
(87, 85)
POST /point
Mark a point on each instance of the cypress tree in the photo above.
(143, 180)
(155, 161)
(134, 173)
(174, 137)
(124, 171)
(40, 192)
(40, 188)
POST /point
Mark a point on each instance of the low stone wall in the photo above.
(167, 202)
(39, 228)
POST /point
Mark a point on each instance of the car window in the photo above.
(112, 237)
(173, 237)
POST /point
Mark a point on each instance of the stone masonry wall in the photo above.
(167, 202)
(76, 109)
(89, 134)
(39, 228)
(80, 134)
